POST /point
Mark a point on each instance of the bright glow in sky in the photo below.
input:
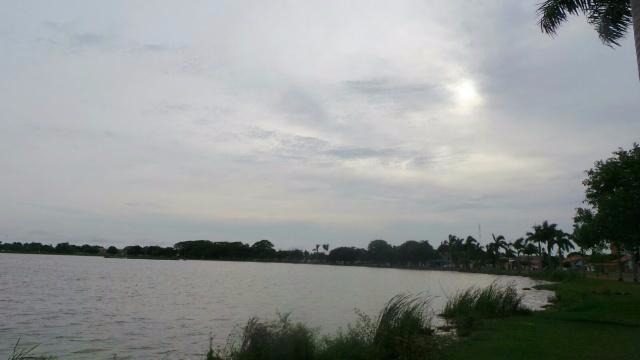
(466, 95)
(300, 121)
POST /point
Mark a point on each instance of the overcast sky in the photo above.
(123, 122)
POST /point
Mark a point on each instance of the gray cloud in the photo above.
(300, 121)
(156, 47)
(401, 95)
(301, 105)
(89, 40)
(361, 152)
(73, 36)
(387, 88)
(68, 36)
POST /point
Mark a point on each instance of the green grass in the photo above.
(593, 319)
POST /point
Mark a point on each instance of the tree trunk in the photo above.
(540, 250)
(541, 257)
(635, 13)
(620, 266)
(635, 257)
(559, 257)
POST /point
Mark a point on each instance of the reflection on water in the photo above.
(90, 307)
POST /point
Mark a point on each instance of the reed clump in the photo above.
(467, 308)
(26, 353)
(401, 331)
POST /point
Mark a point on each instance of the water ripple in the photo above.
(89, 307)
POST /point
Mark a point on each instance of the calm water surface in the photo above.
(91, 307)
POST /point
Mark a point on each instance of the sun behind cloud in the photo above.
(466, 95)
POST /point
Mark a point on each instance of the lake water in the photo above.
(90, 307)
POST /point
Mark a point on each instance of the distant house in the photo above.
(574, 262)
(626, 259)
(531, 263)
(440, 264)
(614, 265)
(627, 262)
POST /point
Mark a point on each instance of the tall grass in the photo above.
(25, 353)
(402, 331)
(355, 343)
(466, 308)
(270, 340)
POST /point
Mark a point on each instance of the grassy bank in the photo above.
(592, 319)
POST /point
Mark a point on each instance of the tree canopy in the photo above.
(613, 198)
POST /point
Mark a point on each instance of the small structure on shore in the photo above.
(574, 262)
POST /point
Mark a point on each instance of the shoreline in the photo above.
(582, 308)
(487, 271)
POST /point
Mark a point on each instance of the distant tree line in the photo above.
(61, 248)
(455, 252)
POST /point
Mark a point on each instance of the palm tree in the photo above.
(498, 243)
(611, 18)
(471, 248)
(545, 233)
(563, 243)
(455, 249)
(529, 249)
(518, 246)
(509, 250)
(533, 238)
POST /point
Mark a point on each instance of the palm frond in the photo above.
(552, 13)
(611, 19)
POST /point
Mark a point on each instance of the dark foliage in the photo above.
(610, 18)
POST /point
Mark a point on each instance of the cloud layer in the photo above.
(300, 121)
